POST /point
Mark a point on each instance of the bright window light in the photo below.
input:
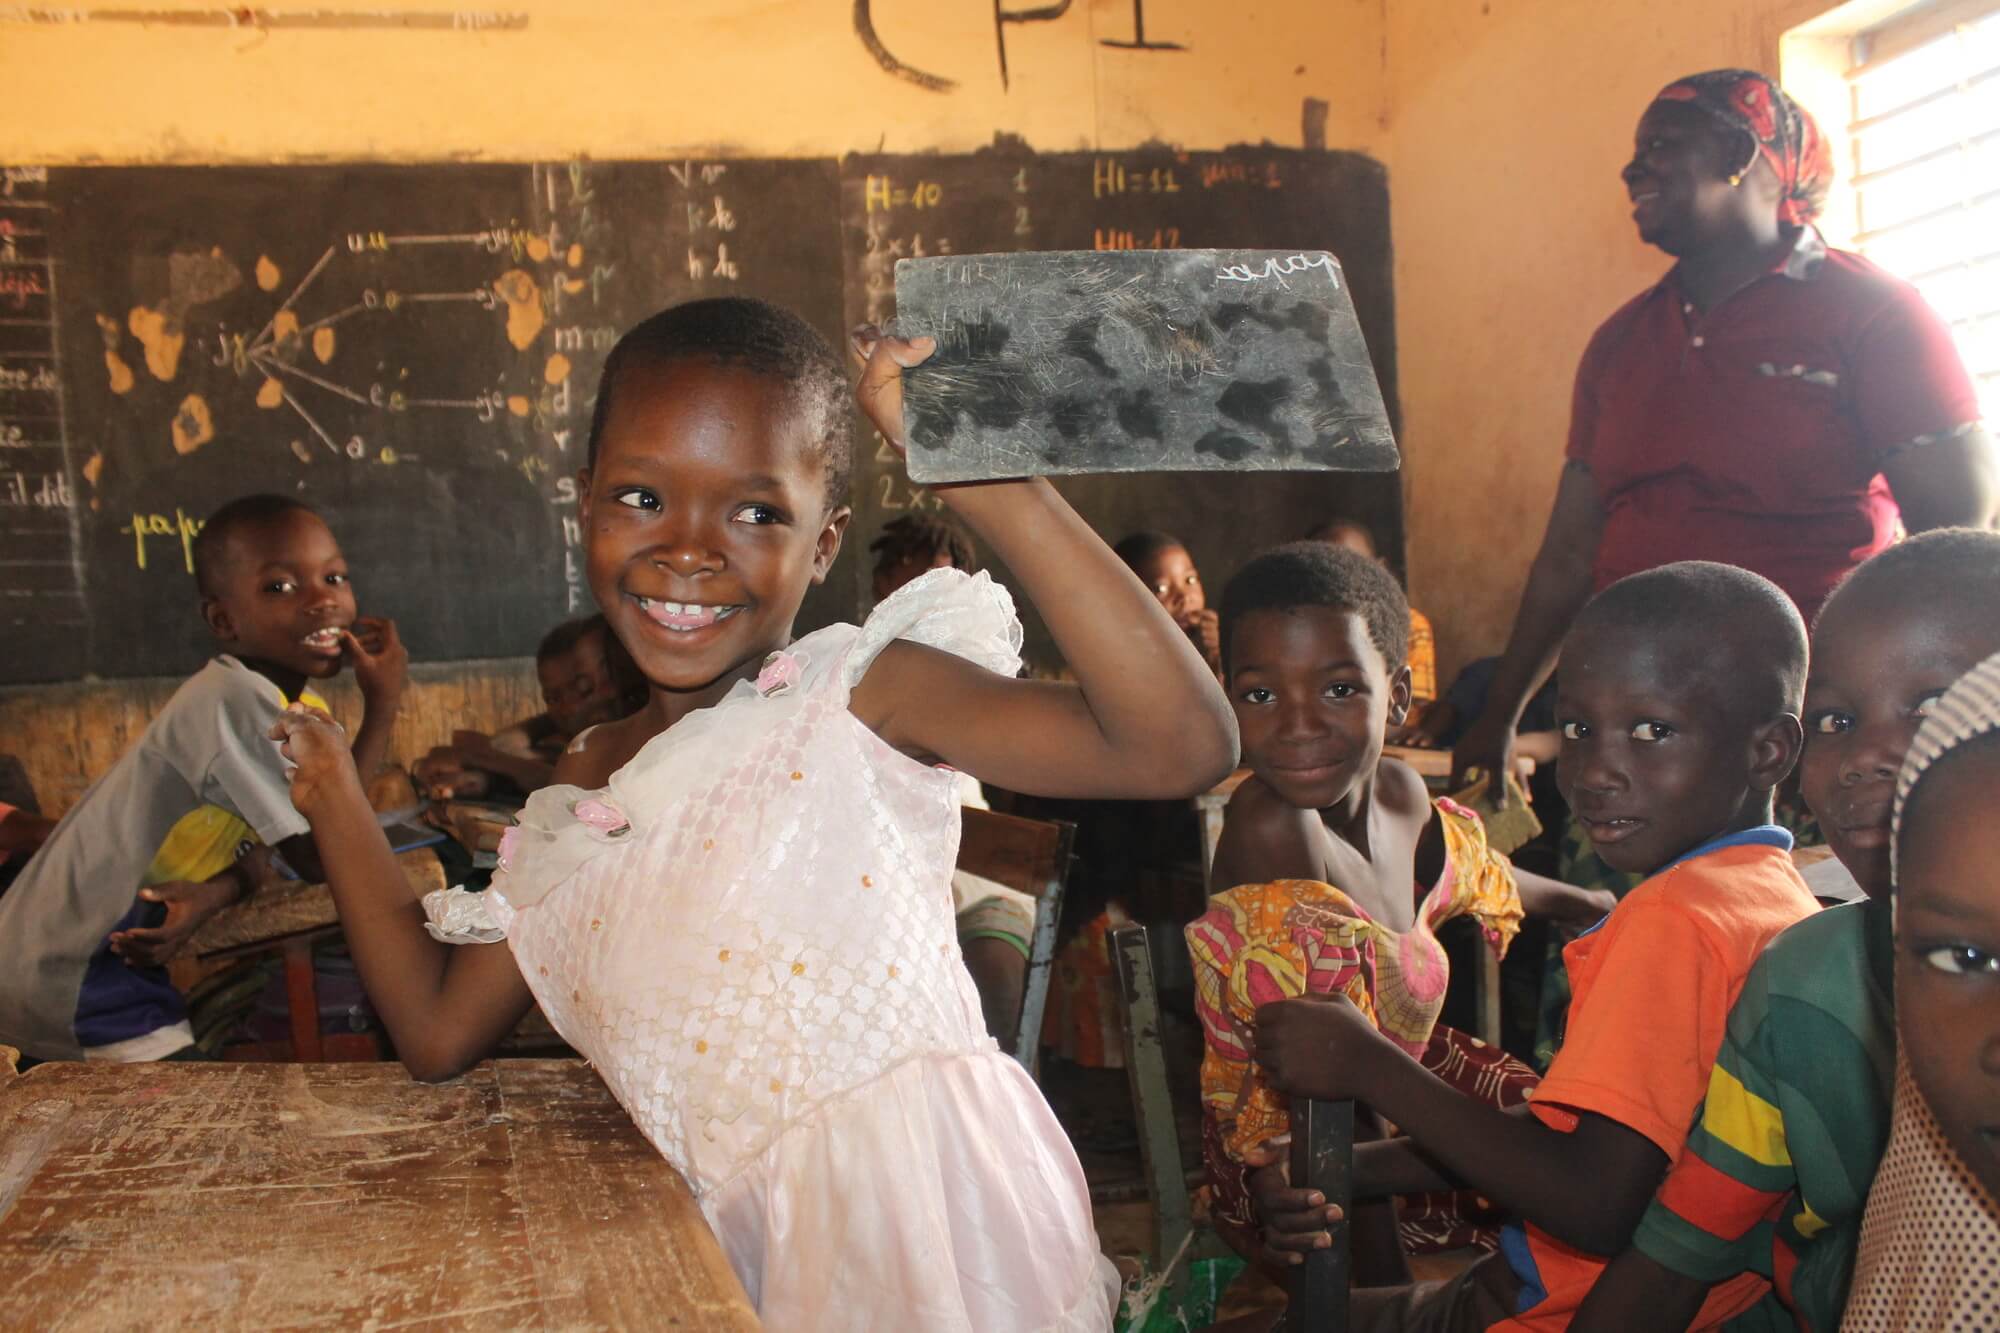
(1926, 172)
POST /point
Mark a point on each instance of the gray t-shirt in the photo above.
(209, 746)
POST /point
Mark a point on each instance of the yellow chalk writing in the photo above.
(181, 527)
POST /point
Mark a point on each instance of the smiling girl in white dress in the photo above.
(737, 903)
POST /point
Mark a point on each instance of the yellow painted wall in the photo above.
(643, 78)
(1509, 121)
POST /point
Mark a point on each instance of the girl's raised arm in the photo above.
(1145, 718)
(445, 1005)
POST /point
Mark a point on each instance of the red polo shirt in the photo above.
(1755, 434)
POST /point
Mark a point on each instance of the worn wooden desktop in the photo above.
(343, 1196)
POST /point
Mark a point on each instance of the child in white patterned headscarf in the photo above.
(1930, 1243)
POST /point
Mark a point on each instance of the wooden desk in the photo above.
(344, 1196)
(287, 918)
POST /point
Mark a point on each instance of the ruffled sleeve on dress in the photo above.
(457, 916)
(967, 615)
(1477, 881)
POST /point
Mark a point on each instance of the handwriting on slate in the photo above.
(1278, 268)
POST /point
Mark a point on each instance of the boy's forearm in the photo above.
(1637, 1292)
(1510, 1157)
(1397, 1166)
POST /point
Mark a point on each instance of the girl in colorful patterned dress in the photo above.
(736, 903)
(1342, 869)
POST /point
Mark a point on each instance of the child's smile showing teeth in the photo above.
(326, 641)
(684, 617)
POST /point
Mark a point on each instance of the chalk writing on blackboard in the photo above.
(293, 360)
(1109, 176)
(181, 527)
(41, 593)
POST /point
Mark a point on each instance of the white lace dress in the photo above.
(749, 933)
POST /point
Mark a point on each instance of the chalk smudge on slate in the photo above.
(1137, 361)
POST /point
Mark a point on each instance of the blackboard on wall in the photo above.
(414, 350)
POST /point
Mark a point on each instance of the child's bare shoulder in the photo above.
(1401, 791)
(1265, 838)
(598, 752)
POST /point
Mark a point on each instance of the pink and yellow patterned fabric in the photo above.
(1263, 942)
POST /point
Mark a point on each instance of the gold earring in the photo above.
(1735, 179)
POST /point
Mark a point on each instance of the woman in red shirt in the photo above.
(1770, 403)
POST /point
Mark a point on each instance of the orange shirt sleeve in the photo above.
(1644, 1027)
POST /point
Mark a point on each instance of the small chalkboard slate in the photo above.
(1138, 361)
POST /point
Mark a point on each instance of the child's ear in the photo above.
(1774, 749)
(583, 498)
(219, 622)
(1399, 695)
(828, 545)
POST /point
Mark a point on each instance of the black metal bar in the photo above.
(1323, 1160)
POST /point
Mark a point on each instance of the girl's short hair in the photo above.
(757, 336)
(1312, 573)
(1140, 546)
(923, 537)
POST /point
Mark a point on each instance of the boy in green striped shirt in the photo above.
(1776, 1170)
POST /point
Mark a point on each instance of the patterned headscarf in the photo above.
(1967, 711)
(1785, 132)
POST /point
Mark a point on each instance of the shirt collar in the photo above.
(1763, 835)
(1801, 263)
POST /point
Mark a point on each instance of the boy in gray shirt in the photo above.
(84, 978)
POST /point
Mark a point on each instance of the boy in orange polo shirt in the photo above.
(1679, 709)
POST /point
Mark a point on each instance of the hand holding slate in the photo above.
(1137, 361)
(880, 392)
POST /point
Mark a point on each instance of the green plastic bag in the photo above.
(1186, 1303)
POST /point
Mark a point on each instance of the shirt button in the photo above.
(1699, 341)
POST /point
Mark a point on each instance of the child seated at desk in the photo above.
(1313, 638)
(172, 816)
(916, 544)
(586, 678)
(1358, 538)
(1163, 564)
(1679, 703)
